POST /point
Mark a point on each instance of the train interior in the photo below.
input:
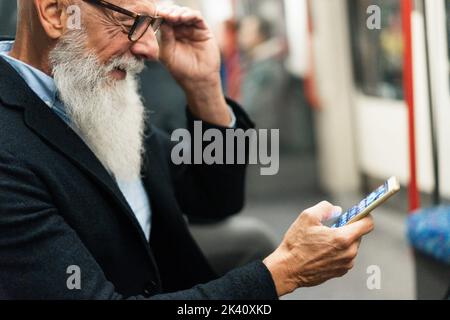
(334, 80)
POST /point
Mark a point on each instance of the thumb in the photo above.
(323, 211)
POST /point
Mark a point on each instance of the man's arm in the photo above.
(37, 246)
(209, 192)
(191, 54)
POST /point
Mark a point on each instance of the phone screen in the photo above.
(356, 210)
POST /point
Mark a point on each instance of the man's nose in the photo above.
(146, 47)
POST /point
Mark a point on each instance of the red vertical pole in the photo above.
(231, 56)
(408, 84)
(310, 78)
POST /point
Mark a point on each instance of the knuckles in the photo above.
(371, 223)
(342, 242)
(352, 252)
(350, 265)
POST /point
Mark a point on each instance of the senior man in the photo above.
(91, 206)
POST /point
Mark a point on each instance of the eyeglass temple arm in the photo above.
(111, 6)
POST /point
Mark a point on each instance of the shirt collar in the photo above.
(41, 84)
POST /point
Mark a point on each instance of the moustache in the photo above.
(131, 65)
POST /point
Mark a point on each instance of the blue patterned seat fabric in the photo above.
(429, 232)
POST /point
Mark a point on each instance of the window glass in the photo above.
(377, 53)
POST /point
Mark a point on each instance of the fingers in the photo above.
(337, 211)
(176, 16)
(353, 232)
(351, 252)
(322, 211)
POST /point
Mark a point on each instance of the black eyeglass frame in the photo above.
(138, 18)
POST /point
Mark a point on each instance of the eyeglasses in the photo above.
(141, 22)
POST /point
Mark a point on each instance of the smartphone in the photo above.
(365, 207)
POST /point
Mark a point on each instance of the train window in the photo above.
(377, 54)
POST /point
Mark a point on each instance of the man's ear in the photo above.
(52, 15)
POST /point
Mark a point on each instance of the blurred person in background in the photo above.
(231, 59)
(265, 77)
(272, 96)
(87, 185)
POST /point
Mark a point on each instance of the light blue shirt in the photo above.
(44, 87)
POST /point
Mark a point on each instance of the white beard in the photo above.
(108, 114)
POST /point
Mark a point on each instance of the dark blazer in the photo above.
(59, 207)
